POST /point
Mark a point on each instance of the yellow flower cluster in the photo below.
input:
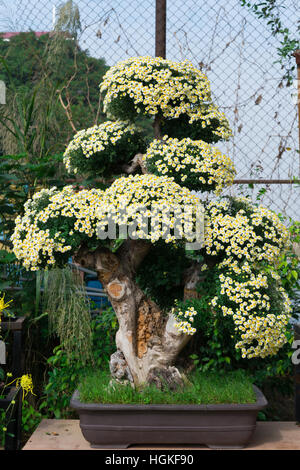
(158, 85)
(261, 332)
(3, 304)
(138, 202)
(193, 163)
(32, 244)
(152, 207)
(185, 326)
(235, 266)
(256, 234)
(24, 382)
(207, 113)
(96, 139)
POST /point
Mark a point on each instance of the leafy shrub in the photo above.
(66, 370)
(103, 149)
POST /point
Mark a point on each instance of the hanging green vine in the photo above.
(271, 11)
(68, 312)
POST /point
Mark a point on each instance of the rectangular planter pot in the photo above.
(109, 426)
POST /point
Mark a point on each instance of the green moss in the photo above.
(208, 388)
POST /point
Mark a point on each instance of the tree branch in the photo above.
(67, 109)
(191, 279)
(136, 162)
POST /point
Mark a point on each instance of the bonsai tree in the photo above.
(141, 233)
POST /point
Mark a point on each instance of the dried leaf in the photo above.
(258, 99)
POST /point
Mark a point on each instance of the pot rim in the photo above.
(261, 402)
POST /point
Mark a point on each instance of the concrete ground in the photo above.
(60, 434)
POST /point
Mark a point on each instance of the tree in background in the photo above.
(68, 19)
(51, 78)
(49, 81)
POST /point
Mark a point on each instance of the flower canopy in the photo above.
(103, 149)
(192, 163)
(56, 222)
(239, 230)
(247, 296)
(156, 86)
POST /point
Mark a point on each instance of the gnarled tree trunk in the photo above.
(147, 341)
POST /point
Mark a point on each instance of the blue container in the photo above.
(99, 301)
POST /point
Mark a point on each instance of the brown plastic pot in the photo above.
(119, 426)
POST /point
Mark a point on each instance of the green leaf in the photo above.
(57, 414)
(116, 244)
(7, 257)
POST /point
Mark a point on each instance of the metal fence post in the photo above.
(297, 57)
(160, 48)
(160, 28)
(297, 378)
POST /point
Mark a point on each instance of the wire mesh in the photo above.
(231, 45)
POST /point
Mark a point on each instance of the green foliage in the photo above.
(195, 165)
(68, 311)
(208, 388)
(213, 344)
(25, 124)
(65, 370)
(160, 275)
(31, 418)
(272, 12)
(118, 142)
(104, 327)
(62, 380)
(6, 415)
(42, 74)
(123, 107)
(180, 128)
(288, 268)
(212, 348)
(2, 425)
(10, 274)
(68, 18)
(19, 179)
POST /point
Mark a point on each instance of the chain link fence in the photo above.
(232, 45)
